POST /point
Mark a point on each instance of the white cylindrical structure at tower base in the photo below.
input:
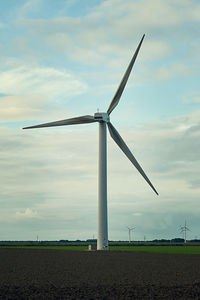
(102, 240)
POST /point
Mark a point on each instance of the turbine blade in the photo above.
(119, 141)
(122, 85)
(72, 121)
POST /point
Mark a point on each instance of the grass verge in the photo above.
(147, 249)
(160, 249)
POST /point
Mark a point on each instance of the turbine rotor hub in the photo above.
(100, 116)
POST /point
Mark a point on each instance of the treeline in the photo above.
(175, 241)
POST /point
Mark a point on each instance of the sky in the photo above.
(65, 58)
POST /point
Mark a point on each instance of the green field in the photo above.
(78, 248)
(160, 249)
(149, 249)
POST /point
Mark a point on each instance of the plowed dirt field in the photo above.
(60, 274)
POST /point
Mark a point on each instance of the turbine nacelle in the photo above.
(100, 116)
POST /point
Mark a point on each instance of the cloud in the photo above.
(27, 214)
(137, 214)
(29, 8)
(155, 13)
(2, 25)
(107, 37)
(174, 150)
(49, 177)
(193, 98)
(46, 170)
(27, 89)
(42, 81)
(16, 108)
(169, 71)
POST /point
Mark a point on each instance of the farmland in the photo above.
(173, 249)
(60, 274)
(160, 249)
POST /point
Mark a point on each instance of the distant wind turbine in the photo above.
(104, 119)
(184, 229)
(129, 232)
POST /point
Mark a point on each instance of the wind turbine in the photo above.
(184, 229)
(103, 118)
(129, 232)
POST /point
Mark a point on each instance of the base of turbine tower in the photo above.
(102, 246)
(105, 248)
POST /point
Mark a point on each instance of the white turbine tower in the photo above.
(129, 232)
(104, 120)
(184, 229)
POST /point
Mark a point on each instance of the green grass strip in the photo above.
(78, 248)
(160, 249)
(147, 249)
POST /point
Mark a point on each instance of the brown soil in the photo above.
(59, 274)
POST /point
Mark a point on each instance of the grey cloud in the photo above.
(55, 174)
(97, 37)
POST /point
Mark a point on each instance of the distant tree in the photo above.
(64, 241)
(177, 240)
